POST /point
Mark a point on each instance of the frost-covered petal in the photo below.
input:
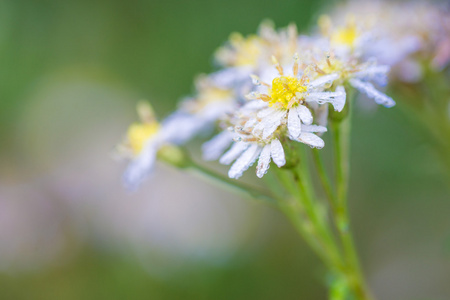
(266, 112)
(340, 99)
(321, 81)
(141, 166)
(368, 89)
(215, 110)
(264, 161)
(277, 153)
(294, 124)
(258, 129)
(180, 127)
(312, 140)
(233, 153)
(304, 114)
(252, 106)
(250, 123)
(337, 98)
(376, 73)
(272, 121)
(215, 147)
(244, 161)
(322, 115)
(230, 77)
(314, 128)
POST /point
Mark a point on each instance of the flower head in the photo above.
(141, 145)
(289, 97)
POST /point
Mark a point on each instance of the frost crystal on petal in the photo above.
(323, 80)
(215, 147)
(264, 161)
(272, 121)
(376, 73)
(277, 153)
(314, 128)
(294, 123)
(244, 161)
(312, 140)
(337, 99)
(233, 153)
(304, 114)
(368, 89)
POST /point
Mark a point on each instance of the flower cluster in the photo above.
(409, 36)
(276, 86)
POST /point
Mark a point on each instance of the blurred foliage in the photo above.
(154, 49)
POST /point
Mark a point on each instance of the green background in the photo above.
(70, 75)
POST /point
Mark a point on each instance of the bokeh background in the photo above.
(71, 73)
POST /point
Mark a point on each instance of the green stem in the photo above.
(324, 179)
(250, 191)
(305, 219)
(341, 130)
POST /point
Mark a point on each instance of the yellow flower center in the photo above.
(345, 36)
(334, 65)
(284, 89)
(247, 49)
(139, 133)
(206, 97)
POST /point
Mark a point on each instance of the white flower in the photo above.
(246, 153)
(359, 75)
(198, 114)
(215, 147)
(371, 92)
(394, 32)
(141, 146)
(287, 100)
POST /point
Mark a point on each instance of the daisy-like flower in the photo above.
(248, 146)
(358, 75)
(403, 35)
(198, 114)
(287, 100)
(242, 56)
(346, 39)
(141, 146)
(240, 51)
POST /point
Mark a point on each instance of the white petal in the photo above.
(294, 124)
(312, 140)
(264, 161)
(244, 161)
(140, 167)
(217, 109)
(258, 129)
(322, 115)
(376, 73)
(272, 121)
(340, 99)
(277, 153)
(250, 123)
(252, 106)
(229, 77)
(337, 98)
(304, 114)
(368, 89)
(215, 147)
(233, 153)
(180, 127)
(266, 112)
(314, 128)
(319, 82)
